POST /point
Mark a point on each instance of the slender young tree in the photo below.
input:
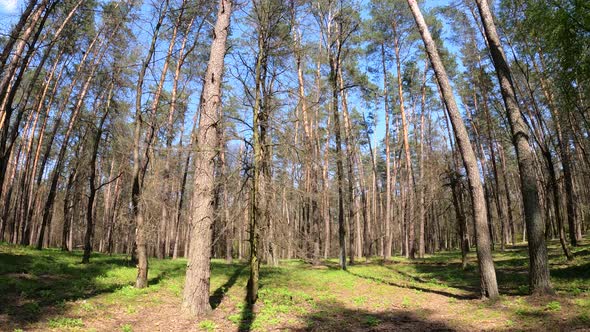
(140, 164)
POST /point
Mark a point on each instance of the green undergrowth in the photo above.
(52, 290)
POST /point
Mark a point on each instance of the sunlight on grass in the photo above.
(295, 294)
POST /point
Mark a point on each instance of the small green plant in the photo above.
(405, 302)
(523, 289)
(31, 309)
(532, 312)
(235, 318)
(62, 322)
(46, 293)
(87, 306)
(61, 304)
(126, 328)
(584, 303)
(520, 301)
(208, 325)
(553, 306)
(584, 317)
(372, 321)
(359, 300)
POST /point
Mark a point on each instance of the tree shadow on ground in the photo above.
(171, 272)
(218, 295)
(247, 317)
(35, 285)
(415, 287)
(334, 316)
(511, 273)
(451, 275)
(572, 272)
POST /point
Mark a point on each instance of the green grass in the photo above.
(64, 322)
(32, 281)
(50, 289)
(553, 306)
(207, 325)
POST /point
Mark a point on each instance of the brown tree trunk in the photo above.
(162, 248)
(196, 288)
(422, 202)
(409, 214)
(539, 281)
(139, 165)
(339, 161)
(48, 207)
(388, 203)
(92, 180)
(489, 286)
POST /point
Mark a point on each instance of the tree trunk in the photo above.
(92, 180)
(387, 220)
(196, 288)
(539, 281)
(339, 161)
(422, 202)
(409, 220)
(489, 286)
(139, 165)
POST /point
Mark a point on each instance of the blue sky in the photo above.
(8, 6)
(9, 11)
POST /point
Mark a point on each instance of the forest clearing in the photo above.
(52, 291)
(304, 165)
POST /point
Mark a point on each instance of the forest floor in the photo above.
(50, 290)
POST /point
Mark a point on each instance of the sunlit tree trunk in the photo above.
(409, 220)
(387, 221)
(489, 286)
(538, 268)
(196, 288)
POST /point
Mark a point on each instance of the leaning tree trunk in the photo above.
(196, 287)
(489, 286)
(539, 282)
(48, 207)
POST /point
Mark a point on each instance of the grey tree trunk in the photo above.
(388, 203)
(539, 282)
(196, 287)
(489, 286)
(90, 218)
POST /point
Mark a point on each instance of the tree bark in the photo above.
(92, 180)
(489, 286)
(387, 220)
(539, 281)
(196, 288)
(409, 214)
